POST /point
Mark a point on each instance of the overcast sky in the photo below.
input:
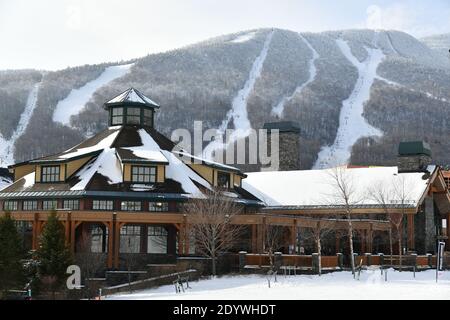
(54, 34)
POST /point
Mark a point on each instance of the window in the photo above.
(131, 206)
(223, 180)
(158, 206)
(102, 205)
(133, 115)
(143, 174)
(50, 174)
(71, 204)
(157, 239)
(117, 116)
(148, 117)
(49, 204)
(99, 238)
(10, 206)
(29, 205)
(130, 239)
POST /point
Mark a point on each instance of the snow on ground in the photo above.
(279, 108)
(77, 99)
(244, 38)
(7, 146)
(332, 286)
(238, 110)
(352, 124)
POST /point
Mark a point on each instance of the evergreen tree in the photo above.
(11, 253)
(53, 255)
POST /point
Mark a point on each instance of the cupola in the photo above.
(131, 107)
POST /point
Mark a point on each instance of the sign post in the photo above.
(440, 258)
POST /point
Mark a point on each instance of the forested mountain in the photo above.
(325, 81)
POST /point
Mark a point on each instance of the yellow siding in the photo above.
(237, 180)
(206, 172)
(22, 171)
(62, 172)
(160, 173)
(127, 172)
(38, 174)
(73, 166)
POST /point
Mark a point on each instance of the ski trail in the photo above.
(7, 146)
(391, 45)
(77, 98)
(238, 110)
(352, 125)
(279, 108)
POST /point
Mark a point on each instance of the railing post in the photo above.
(414, 261)
(242, 260)
(315, 262)
(381, 259)
(340, 259)
(368, 259)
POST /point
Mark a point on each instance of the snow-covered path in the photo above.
(279, 108)
(77, 98)
(332, 286)
(352, 124)
(7, 146)
(238, 112)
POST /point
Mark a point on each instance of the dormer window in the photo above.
(143, 174)
(223, 180)
(148, 117)
(50, 174)
(117, 116)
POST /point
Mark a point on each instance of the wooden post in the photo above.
(35, 240)
(263, 235)
(109, 225)
(118, 226)
(72, 236)
(67, 228)
(448, 231)
(180, 233)
(362, 236)
(370, 239)
(187, 239)
(254, 238)
(411, 240)
(338, 241)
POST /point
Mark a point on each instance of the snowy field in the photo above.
(332, 286)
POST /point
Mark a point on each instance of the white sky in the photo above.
(54, 34)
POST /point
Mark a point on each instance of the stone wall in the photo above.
(413, 163)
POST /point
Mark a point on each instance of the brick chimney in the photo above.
(289, 143)
(414, 156)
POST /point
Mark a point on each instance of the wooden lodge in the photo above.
(120, 192)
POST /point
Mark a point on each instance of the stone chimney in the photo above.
(289, 143)
(413, 156)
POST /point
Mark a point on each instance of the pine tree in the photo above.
(11, 253)
(53, 255)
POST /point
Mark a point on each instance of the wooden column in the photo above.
(72, 236)
(180, 232)
(362, 236)
(254, 238)
(187, 239)
(411, 239)
(35, 237)
(338, 241)
(370, 239)
(109, 225)
(67, 229)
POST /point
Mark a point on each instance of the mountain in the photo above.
(439, 43)
(355, 94)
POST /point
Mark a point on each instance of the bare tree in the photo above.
(89, 262)
(379, 193)
(273, 241)
(345, 195)
(402, 191)
(322, 228)
(212, 227)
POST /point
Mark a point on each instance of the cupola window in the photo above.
(133, 116)
(117, 116)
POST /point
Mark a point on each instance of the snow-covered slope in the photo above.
(78, 98)
(7, 146)
(279, 108)
(352, 125)
(238, 112)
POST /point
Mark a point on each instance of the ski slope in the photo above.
(352, 124)
(7, 146)
(77, 98)
(331, 286)
(238, 112)
(279, 108)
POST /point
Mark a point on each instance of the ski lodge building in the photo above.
(121, 192)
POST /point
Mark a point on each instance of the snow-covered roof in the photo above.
(132, 96)
(315, 188)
